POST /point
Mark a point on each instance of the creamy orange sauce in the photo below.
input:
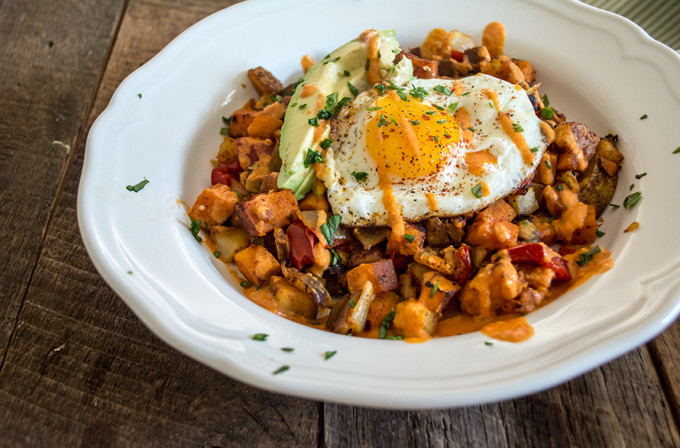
(394, 219)
(371, 39)
(458, 89)
(485, 189)
(307, 61)
(547, 131)
(476, 160)
(307, 90)
(464, 323)
(565, 140)
(507, 124)
(463, 118)
(432, 202)
(573, 217)
(510, 330)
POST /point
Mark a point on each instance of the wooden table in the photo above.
(77, 368)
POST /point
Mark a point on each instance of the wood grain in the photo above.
(83, 370)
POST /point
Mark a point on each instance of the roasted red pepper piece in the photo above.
(463, 269)
(301, 241)
(457, 55)
(542, 255)
(399, 261)
(224, 173)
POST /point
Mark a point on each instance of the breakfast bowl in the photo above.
(162, 126)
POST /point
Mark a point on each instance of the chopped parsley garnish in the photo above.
(373, 109)
(386, 324)
(442, 89)
(418, 92)
(559, 187)
(360, 176)
(276, 98)
(441, 121)
(614, 205)
(548, 165)
(534, 149)
(314, 122)
(195, 227)
(384, 121)
(244, 284)
(632, 199)
(410, 238)
(415, 122)
(434, 289)
(547, 113)
(280, 370)
(139, 95)
(640, 176)
(546, 101)
(326, 143)
(436, 139)
(217, 254)
(430, 112)
(395, 338)
(517, 127)
(477, 190)
(471, 129)
(402, 95)
(368, 64)
(332, 60)
(465, 94)
(588, 256)
(129, 272)
(331, 99)
(490, 104)
(329, 227)
(599, 233)
(312, 157)
(631, 187)
(352, 88)
(329, 354)
(677, 150)
(260, 337)
(302, 106)
(438, 107)
(380, 88)
(137, 186)
(453, 107)
(644, 117)
(226, 120)
(287, 349)
(488, 344)
(224, 131)
(335, 258)
(352, 303)
(346, 73)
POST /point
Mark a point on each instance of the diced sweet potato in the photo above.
(499, 210)
(423, 68)
(265, 212)
(488, 291)
(313, 201)
(240, 120)
(359, 255)
(257, 264)
(492, 227)
(251, 149)
(229, 241)
(437, 292)
(380, 307)
(263, 81)
(414, 238)
(291, 300)
(214, 205)
(412, 319)
(547, 168)
(264, 126)
(260, 170)
(381, 274)
(527, 69)
(227, 152)
(269, 183)
(275, 110)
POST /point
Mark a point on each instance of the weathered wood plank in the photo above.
(83, 370)
(619, 404)
(665, 352)
(52, 56)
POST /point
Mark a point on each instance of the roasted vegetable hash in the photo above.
(385, 275)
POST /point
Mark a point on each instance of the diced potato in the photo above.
(291, 300)
(414, 239)
(524, 204)
(381, 274)
(263, 81)
(251, 149)
(437, 292)
(227, 152)
(229, 241)
(257, 265)
(214, 205)
(412, 319)
(266, 212)
(264, 126)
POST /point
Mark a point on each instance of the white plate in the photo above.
(597, 68)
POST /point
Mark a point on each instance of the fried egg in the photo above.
(437, 147)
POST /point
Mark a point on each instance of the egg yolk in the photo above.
(410, 138)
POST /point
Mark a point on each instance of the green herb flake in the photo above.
(548, 165)
(466, 94)
(373, 109)
(129, 272)
(402, 95)
(386, 324)
(260, 337)
(547, 113)
(195, 227)
(442, 89)
(224, 131)
(546, 101)
(588, 256)
(418, 92)
(244, 284)
(441, 121)
(488, 344)
(346, 73)
(326, 143)
(352, 303)
(453, 107)
(517, 127)
(643, 117)
(395, 338)
(352, 88)
(599, 233)
(287, 349)
(332, 60)
(640, 176)
(631, 187)
(384, 121)
(281, 370)
(329, 354)
(137, 186)
(329, 227)
(677, 150)
(368, 65)
(302, 106)
(335, 258)
(316, 324)
(314, 122)
(477, 190)
(360, 176)
(436, 139)
(471, 129)
(312, 157)
(430, 112)
(415, 122)
(434, 289)
(408, 237)
(139, 95)
(614, 205)
(534, 149)
(632, 199)
(559, 187)
(226, 120)
(217, 254)
(380, 88)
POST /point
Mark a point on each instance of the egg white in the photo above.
(360, 203)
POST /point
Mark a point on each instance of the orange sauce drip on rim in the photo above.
(509, 330)
(506, 122)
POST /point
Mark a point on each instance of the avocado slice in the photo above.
(335, 73)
